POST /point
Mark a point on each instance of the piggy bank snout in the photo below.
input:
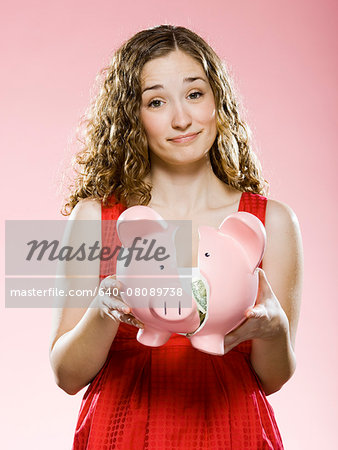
(173, 309)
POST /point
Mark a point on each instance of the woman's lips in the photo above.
(187, 138)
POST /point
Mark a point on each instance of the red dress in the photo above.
(174, 396)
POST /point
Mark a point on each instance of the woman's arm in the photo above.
(273, 325)
(81, 336)
(274, 361)
(78, 355)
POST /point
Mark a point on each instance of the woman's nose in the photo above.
(181, 117)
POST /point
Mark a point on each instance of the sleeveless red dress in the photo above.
(174, 396)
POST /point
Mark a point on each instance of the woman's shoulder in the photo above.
(281, 222)
(278, 212)
(86, 209)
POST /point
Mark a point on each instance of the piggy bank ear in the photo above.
(138, 221)
(249, 231)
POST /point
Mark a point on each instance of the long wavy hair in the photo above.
(115, 158)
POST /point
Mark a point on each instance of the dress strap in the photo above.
(254, 204)
(109, 236)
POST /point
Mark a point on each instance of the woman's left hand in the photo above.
(265, 320)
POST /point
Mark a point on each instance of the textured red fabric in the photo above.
(174, 396)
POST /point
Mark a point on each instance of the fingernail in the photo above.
(126, 309)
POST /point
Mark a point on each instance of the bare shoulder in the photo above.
(283, 233)
(280, 216)
(86, 209)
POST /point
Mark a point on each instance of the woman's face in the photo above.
(177, 108)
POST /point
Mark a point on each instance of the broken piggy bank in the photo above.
(227, 262)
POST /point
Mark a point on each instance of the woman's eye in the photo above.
(195, 95)
(155, 103)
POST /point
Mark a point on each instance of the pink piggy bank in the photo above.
(152, 286)
(227, 260)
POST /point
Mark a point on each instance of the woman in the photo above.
(165, 131)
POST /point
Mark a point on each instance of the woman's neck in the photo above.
(188, 189)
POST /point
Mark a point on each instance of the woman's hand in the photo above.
(112, 305)
(266, 320)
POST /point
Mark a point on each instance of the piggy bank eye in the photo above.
(161, 267)
(207, 254)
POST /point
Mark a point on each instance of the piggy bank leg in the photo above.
(211, 343)
(152, 337)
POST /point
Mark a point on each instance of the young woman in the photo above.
(165, 131)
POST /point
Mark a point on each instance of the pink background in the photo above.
(283, 57)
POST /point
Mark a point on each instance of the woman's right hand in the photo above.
(112, 305)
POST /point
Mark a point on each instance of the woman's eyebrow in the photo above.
(185, 80)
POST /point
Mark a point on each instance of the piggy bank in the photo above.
(153, 288)
(227, 262)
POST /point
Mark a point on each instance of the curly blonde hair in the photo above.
(115, 158)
